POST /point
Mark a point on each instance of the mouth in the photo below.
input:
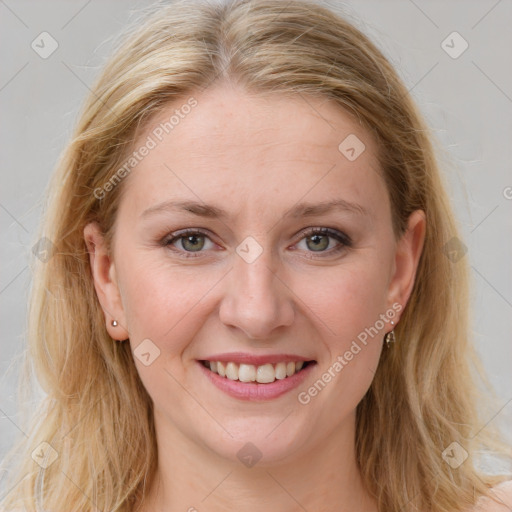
(262, 374)
(256, 382)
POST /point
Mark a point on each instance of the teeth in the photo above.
(280, 371)
(263, 374)
(247, 373)
(232, 371)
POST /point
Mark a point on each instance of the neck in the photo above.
(192, 478)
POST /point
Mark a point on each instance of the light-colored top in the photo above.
(503, 495)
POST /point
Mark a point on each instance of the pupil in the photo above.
(193, 240)
(318, 241)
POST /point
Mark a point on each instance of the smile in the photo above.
(256, 382)
(263, 374)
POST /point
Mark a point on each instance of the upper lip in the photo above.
(256, 360)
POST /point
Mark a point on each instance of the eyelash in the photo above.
(343, 239)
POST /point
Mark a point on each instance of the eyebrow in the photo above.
(299, 210)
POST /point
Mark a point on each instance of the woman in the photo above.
(249, 305)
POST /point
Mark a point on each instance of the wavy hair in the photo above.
(97, 416)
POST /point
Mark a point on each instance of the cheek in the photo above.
(163, 304)
(162, 301)
(354, 317)
(347, 299)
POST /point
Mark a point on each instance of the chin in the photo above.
(262, 441)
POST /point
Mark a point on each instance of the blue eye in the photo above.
(318, 240)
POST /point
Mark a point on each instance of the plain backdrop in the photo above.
(466, 99)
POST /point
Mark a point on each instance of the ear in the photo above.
(407, 257)
(104, 276)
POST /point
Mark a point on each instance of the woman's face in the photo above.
(254, 285)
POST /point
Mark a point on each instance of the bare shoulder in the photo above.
(503, 496)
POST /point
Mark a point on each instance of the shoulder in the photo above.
(503, 495)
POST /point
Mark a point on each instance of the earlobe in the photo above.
(105, 282)
(407, 257)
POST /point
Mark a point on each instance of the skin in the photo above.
(256, 157)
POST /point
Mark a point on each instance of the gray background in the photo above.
(466, 100)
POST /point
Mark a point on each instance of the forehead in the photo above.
(247, 151)
(268, 123)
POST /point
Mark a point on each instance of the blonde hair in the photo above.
(97, 415)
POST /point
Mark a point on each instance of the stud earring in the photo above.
(114, 323)
(390, 336)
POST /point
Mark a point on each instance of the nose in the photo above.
(257, 301)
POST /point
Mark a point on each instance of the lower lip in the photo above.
(254, 390)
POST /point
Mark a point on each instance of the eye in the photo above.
(318, 240)
(190, 240)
